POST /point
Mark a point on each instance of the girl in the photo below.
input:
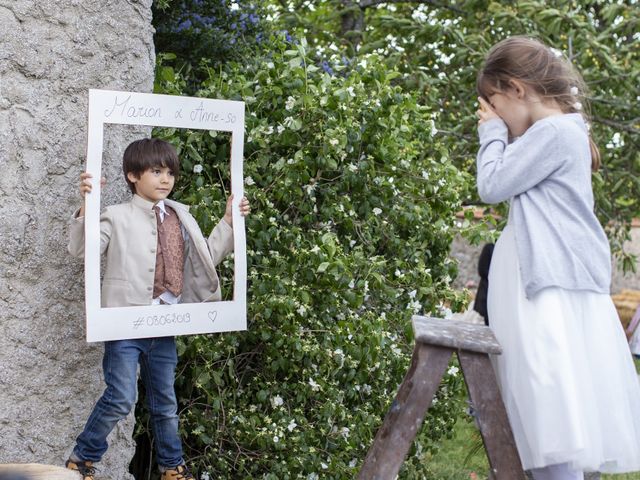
(566, 374)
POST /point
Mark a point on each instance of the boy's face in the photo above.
(154, 184)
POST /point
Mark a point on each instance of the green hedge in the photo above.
(353, 204)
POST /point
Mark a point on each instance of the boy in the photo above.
(155, 253)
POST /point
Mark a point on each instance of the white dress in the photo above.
(566, 374)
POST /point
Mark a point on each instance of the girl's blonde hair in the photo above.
(544, 70)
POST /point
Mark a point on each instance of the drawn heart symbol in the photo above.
(213, 315)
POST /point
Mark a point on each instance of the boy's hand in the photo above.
(85, 187)
(485, 112)
(245, 208)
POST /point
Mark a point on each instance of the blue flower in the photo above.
(184, 25)
(326, 67)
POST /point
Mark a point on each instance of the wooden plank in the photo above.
(495, 430)
(455, 334)
(35, 471)
(407, 412)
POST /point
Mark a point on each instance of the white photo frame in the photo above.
(131, 108)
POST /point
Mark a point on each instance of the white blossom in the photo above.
(434, 130)
(292, 425)
(556, 52)
(249, 181)
(276, 439)
(414, 305)
(574, 90)
(377, 211)
(334, 141)
(453, 370)
(577, 106)
(197, 168)
(310, 188)
(314, 386)
(352, 284)
(277, 401)
(290, 103)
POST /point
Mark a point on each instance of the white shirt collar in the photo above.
(163, 209)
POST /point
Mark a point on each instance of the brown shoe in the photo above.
(86, 469)
(181, 472)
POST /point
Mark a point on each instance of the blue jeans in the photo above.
(157, 358)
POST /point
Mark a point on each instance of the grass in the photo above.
(462, 457)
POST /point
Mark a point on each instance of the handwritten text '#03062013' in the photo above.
(126, 108)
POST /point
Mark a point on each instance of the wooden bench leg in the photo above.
(492, 416)
(406, 414)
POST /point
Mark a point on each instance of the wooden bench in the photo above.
(436, 340)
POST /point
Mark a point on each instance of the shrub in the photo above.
(202, 34)
(354, 203)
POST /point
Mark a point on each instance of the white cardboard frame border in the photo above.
(132, 108)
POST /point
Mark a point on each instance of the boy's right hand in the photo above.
(85, 183)
(85, 187)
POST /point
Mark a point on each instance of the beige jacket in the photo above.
(128, 238)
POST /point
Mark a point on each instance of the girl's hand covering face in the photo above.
(485, 112)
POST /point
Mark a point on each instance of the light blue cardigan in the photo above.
(546, 173)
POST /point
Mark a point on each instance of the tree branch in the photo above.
(373, 3)
(618, 125)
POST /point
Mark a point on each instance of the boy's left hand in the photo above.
(245, 208)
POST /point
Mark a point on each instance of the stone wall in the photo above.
(51, 53)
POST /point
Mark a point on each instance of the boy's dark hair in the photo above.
(147, 153)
